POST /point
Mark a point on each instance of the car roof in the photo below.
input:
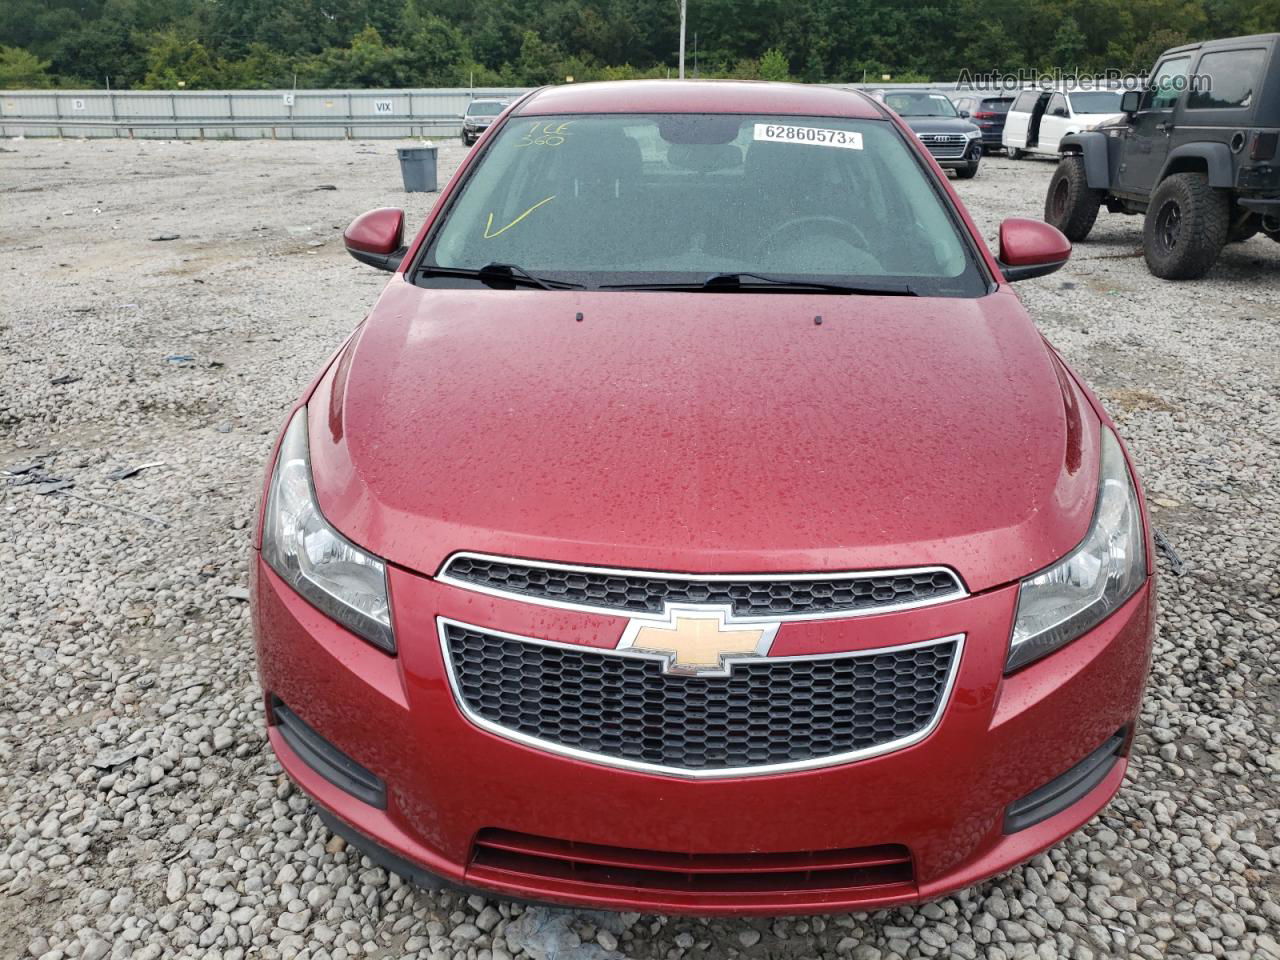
(701, 96)
(486, 100)
(1223, 42)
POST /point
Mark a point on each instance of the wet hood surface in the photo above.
(705, 432)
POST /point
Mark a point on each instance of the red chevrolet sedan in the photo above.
(698, 523)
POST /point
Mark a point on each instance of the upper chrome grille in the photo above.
(945, 146)
(749, 596)
(771, 714)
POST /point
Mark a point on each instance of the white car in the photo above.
(1039, 119)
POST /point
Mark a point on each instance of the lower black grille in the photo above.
(766, 712)
(745, 596)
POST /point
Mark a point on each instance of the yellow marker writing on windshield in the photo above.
(489, 225)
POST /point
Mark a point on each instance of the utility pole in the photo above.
(684, 9)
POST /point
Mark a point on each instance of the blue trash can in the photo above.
(418, 169)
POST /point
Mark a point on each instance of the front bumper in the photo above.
(455, 794)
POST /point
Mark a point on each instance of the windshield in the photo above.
(1098, 101)
(920, 104)
(482, 109)
(1000, 105)
(608, 200)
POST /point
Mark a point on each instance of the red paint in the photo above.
(378, 231)
(704, 433)
(1030, 243)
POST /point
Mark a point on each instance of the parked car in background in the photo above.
(1039, 119)
(1197, 153)
(956, 143)
(698, 523)
(988, 113)
(480, 113)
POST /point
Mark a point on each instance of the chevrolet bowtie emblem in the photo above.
(699, 641)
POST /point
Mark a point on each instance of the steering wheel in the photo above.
(844, 227)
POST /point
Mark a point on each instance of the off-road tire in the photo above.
(1070, 205)
(1186, 227)
(968, 171)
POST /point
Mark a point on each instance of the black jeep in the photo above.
(1196, 152)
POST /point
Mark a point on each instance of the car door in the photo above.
(1053, 126)
(1147, 137)
(1015, 125)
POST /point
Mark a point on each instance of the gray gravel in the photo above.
(142, 815)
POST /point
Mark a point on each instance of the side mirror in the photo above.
(1031, 248)
(377, 238)
(1130, 101)
(965, 114)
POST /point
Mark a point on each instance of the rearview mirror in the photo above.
(1031, 248)
(1130, 101)
(377, 238)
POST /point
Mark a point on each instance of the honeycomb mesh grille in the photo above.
(764, 713)
(650, 593)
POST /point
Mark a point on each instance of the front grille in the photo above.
(945, 146)
(769, 713)
(503, 856)
(601, 588)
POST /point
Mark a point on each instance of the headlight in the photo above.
(973, 134)
(325, 567)
(1076, 594)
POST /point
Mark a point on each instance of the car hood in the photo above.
(1091, 121)
(705, 432)
(940, 125)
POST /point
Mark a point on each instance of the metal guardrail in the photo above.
(130, 126)
(257, 114)
(248, 114)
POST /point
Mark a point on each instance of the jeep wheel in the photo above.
(1186, 227)
(1070, 205)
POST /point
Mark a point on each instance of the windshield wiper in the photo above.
(503, 273)
(734, 282)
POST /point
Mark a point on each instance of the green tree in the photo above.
(774, 65)
(173, 60)
(20, 70)
(1069, 47)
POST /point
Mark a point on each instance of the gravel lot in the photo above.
(143, 816)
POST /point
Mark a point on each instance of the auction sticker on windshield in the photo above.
(817, 136)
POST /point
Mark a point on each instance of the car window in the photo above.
(481, 109)
(997, 104)
(1057, 105)
(1026, 101)
(621, 198)
(920, 104)
(1227, 80)
(1167, 83)
(1096, 101)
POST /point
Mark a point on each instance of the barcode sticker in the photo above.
(814, 136)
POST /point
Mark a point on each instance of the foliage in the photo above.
(389, 43)
(20, 69)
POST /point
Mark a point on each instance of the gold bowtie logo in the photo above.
(699, 641)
